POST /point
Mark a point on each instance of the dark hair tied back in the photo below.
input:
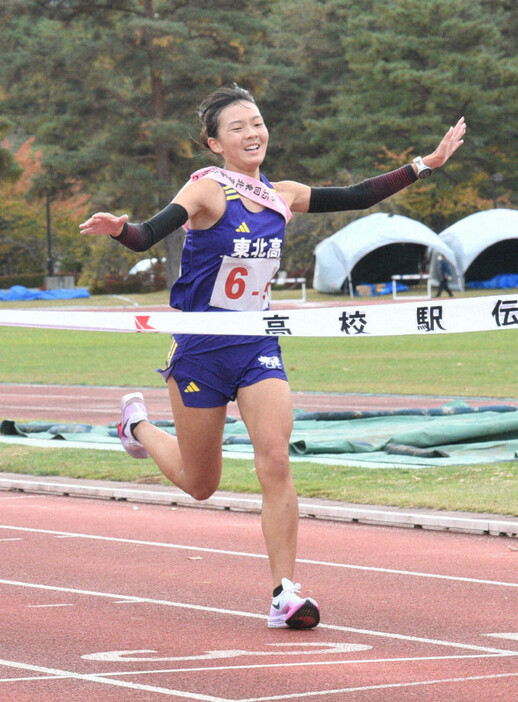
(211, 107)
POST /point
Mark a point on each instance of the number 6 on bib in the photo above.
(244, 285)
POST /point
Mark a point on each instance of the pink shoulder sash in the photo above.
(251, 188)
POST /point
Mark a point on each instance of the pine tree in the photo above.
(110, 90)
(407, 71)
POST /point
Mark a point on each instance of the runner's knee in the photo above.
(202, 492)
(273, 467)
(203, 484)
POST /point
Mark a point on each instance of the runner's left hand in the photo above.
(451, 141)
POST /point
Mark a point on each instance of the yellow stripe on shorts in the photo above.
(172, 349)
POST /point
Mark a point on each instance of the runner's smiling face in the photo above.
(242, 138)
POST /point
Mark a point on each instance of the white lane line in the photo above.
(64, 396)
(6, 407)
(387, 686)
(16, 538)
(55, 674)
(253, 615)
(316, 664)
(244, 554)
(42, 606)
(65, 674)
(31, 678)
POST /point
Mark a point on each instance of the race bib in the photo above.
(244, 284)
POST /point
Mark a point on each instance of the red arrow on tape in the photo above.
(142, 323)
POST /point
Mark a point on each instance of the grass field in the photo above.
(481, 364)
(492, 488)
(470, 364)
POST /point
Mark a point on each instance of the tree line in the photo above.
(104, 96)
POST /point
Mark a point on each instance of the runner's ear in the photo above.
(214, 145)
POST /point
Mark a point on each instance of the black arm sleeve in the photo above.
(362, 195)
(141, 237)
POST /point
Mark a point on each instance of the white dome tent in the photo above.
(374, 248)
(485, 245)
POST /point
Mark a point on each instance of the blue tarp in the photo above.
(19, 292)
(506, 280)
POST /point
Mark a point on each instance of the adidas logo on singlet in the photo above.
(192, 387)
(243, 228)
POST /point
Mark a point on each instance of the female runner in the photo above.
(235, 230)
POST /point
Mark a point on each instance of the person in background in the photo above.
(444, 276)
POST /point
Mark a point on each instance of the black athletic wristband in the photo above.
(364, 194)
(141, 237)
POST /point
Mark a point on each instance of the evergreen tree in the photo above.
(307, 53)
(113, 89)
(9, 169)
(413, 68)
(23, 244)
(110, 91)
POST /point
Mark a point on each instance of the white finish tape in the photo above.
(393, 319)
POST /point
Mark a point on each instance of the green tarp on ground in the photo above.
(456, 433)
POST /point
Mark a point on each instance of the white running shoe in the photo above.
(290, 610)
(133, 410)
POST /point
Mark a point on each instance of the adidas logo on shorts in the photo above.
(192, 387)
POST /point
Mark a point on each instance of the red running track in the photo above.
(100, 405)
(105, 601)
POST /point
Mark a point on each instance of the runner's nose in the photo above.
(250, 131)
